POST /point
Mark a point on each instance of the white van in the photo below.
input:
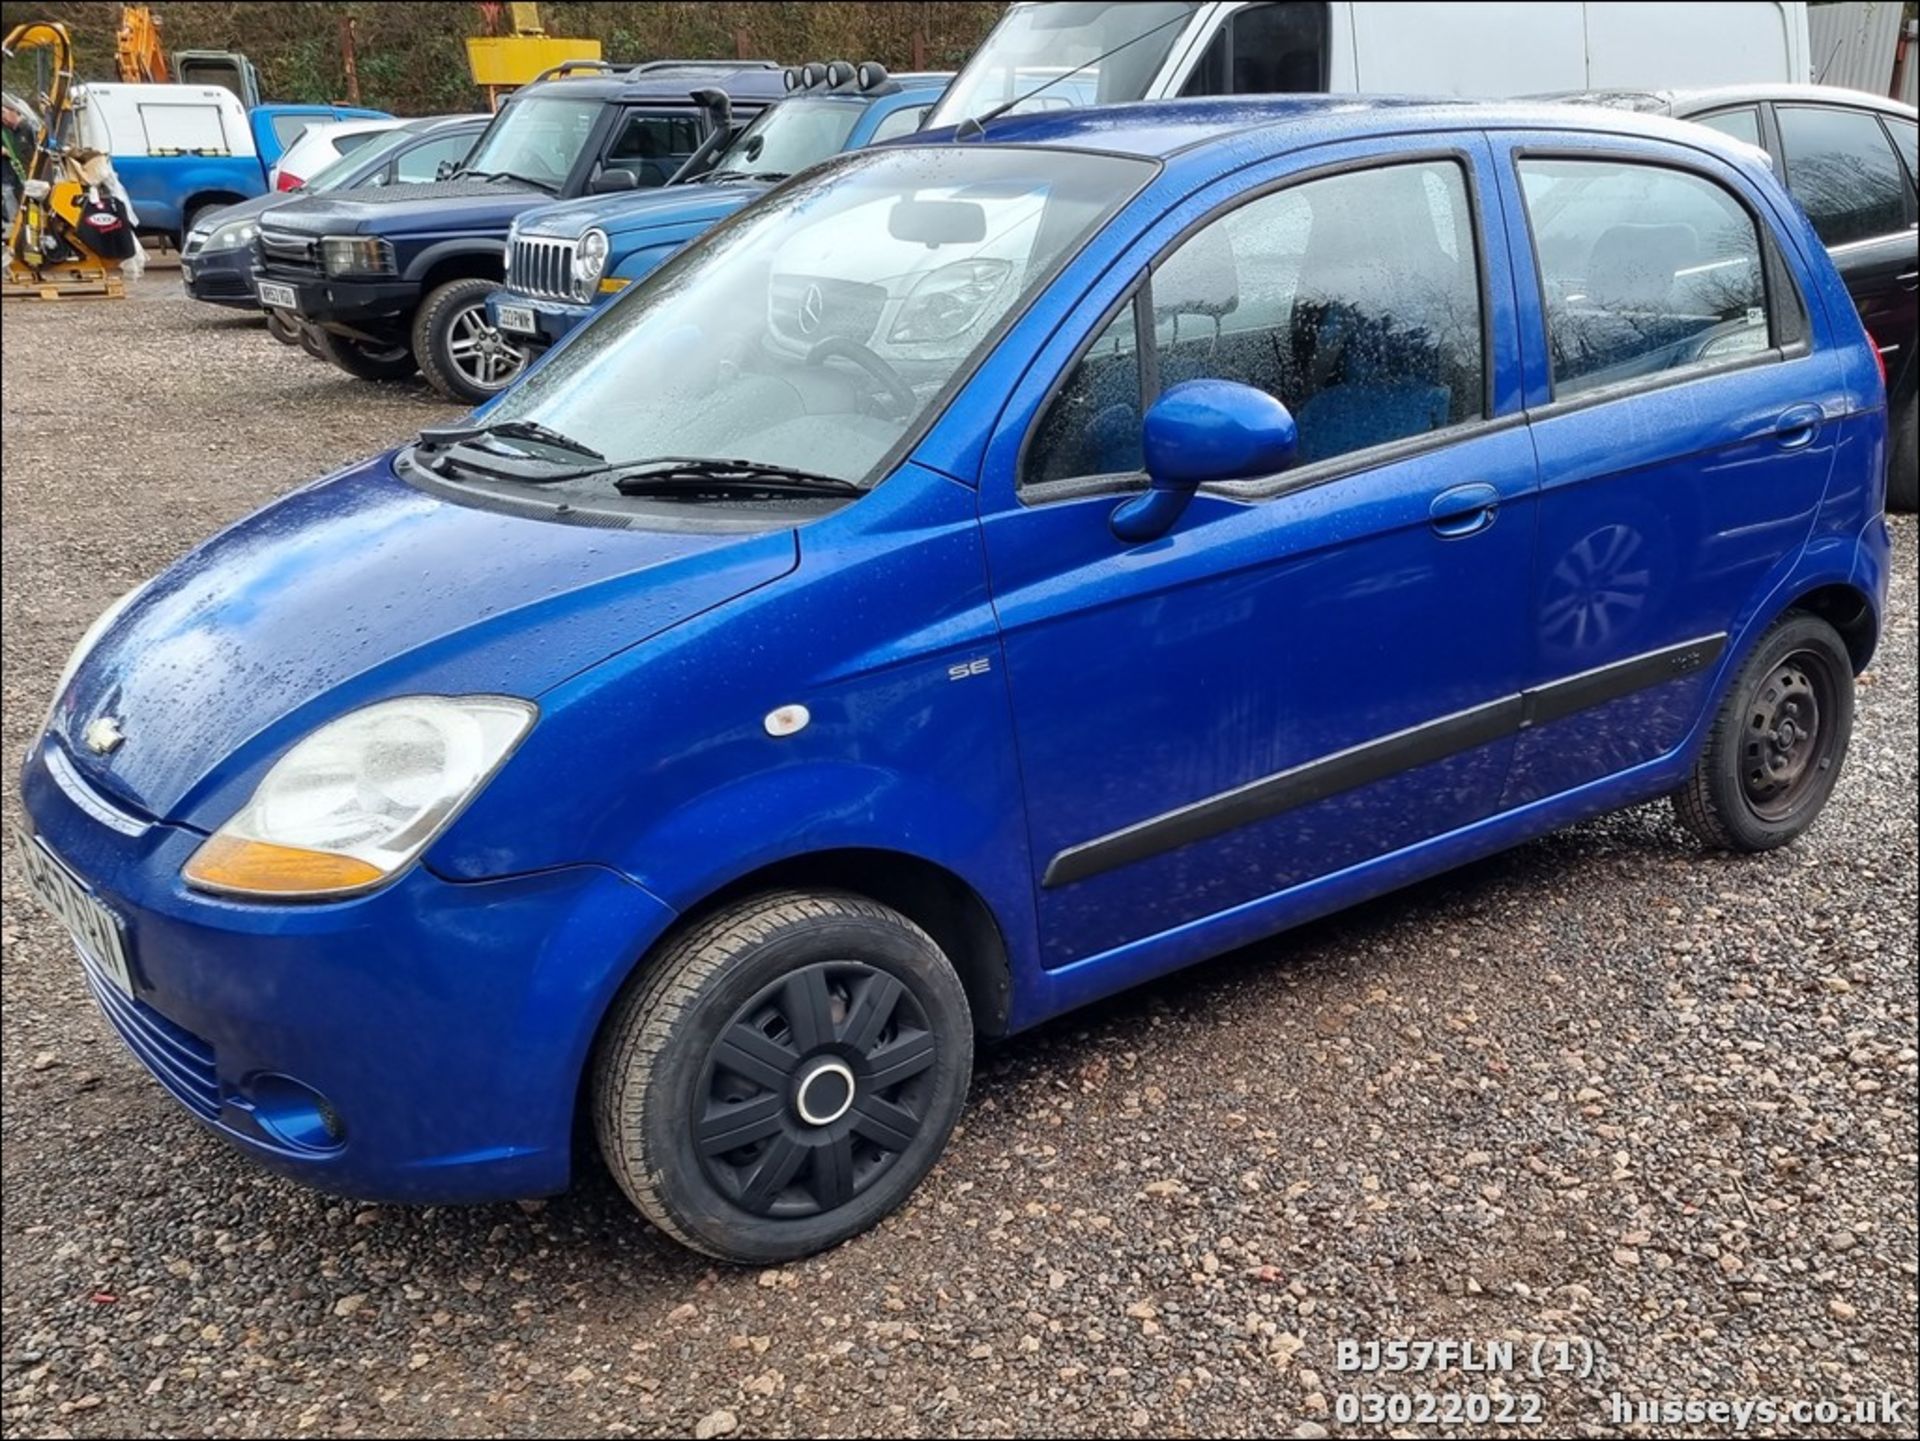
(1044, 56)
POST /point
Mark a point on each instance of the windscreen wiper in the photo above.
(532, 430)
(670, 475)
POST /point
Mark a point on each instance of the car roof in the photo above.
(427, 124)
(673, 80)
(1159, 130)
(1719, 97)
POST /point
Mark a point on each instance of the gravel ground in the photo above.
(1600, 1088)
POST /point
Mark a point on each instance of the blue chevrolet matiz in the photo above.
(989, 572)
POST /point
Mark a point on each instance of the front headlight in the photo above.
(947, 302)
(357, 800)
(355, 255)
(589, 263)
(231, 236)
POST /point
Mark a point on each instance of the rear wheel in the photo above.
(783, 1075)
(363, 359)
(461, 354)
(1777, 746)
(1903, 458)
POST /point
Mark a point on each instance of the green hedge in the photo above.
(411, 57)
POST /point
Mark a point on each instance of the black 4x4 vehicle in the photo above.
(390, 281)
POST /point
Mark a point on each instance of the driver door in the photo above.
(1311, 669)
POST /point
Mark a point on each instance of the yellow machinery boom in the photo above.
(47, 253)
(504, 62)
(137, 54)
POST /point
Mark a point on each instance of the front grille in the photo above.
(179, 1060)
(541, 267)
(283, 250)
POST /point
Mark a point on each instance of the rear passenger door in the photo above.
(1312, 669)
(1842, 166)
(1678, 393)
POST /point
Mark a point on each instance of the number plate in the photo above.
(278, 297)
(95, 929)
(517, 318)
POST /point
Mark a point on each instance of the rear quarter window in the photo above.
(1645, 271)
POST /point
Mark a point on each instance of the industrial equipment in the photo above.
(505, 62)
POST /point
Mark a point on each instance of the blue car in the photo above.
(1002, 569)
(565, 261)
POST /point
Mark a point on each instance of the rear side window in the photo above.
(1644, 271)
(1741, 124)
(1265, 50)
(353, 140)
(1354, 299)
(1841, 168)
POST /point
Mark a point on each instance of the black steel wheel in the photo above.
(1779, 741)
(783, 1074)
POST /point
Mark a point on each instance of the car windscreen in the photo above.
(790, 136)
(536, 139)
(1037, 52)
(818, 329)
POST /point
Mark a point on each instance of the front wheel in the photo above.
(783, 1075)
(1778, 743)
(362, 359)
(462, 356)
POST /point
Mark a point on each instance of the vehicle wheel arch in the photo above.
(205, 200)
(1849, 610)
(458, 260)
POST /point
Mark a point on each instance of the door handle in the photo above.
(1464, 510)
(1797, 427)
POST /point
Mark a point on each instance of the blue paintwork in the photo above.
(166, 189)
(1200, 432)
(644, 230)
(1101, 683)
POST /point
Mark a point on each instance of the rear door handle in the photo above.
(1798, 426)
(1464, 510)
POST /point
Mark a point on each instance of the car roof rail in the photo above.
(646, 67)
(567, 67)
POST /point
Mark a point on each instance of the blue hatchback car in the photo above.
(989, 573)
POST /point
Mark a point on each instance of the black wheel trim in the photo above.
(753, 1146)
(1788, 742)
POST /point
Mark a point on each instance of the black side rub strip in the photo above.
(1377, 760)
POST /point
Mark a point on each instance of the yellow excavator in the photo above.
(137, 53)
(56, 219)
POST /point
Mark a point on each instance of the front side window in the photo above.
(1353, 299)
(1051, 56)
(422, 163)
(903, 121)
(1266, 50)
(536, 139)
(786, 138)
(820, 327)
(653, 144)
(1644, 271)
(1840, 167)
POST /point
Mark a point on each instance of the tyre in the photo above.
(1778, 743)
(1903, 458)
(283, 327)
(461, 355)
(361, 358)
(783, 1075)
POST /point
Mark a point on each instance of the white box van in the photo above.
(1044, 56)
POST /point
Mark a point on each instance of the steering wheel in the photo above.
(839, 347)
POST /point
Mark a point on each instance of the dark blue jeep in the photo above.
(391, 281)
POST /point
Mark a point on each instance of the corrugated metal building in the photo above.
(1854, 44)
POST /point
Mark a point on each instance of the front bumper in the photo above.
(376, 306)
(220, 277)
(553, 320)
(445, 1026)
